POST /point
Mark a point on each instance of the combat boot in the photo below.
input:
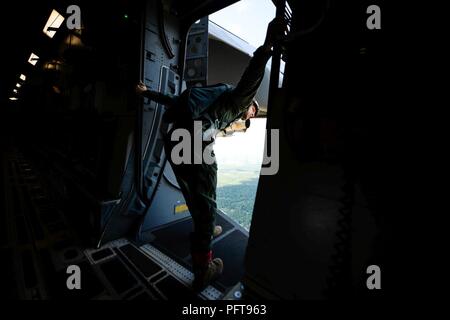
(206, 269)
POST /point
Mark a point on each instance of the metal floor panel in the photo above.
(181, 273)
(41, 245)
(231, 250)
(145, 265)
(147, 268)
(174, 290)
(173, 240)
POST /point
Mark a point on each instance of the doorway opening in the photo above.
(234, 33)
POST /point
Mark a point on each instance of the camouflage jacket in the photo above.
(220, 105)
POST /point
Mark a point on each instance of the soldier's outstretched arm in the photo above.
(241, 97)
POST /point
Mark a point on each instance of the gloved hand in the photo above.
(276, 31)
(141, 88)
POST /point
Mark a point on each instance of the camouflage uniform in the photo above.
(198, 182)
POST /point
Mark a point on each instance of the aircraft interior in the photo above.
(87, 182)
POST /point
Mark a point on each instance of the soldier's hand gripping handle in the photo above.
(276, 31)
(158, 97)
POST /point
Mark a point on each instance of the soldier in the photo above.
(217, 107)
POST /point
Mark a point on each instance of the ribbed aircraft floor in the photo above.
(230, 246)
(38, 244)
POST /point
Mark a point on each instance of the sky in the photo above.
(241, 155)
(247, 19)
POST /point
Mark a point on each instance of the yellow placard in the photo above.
(182, 208)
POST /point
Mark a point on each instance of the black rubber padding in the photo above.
(118, 275)
(99, 255)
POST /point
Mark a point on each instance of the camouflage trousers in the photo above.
(198, 183)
